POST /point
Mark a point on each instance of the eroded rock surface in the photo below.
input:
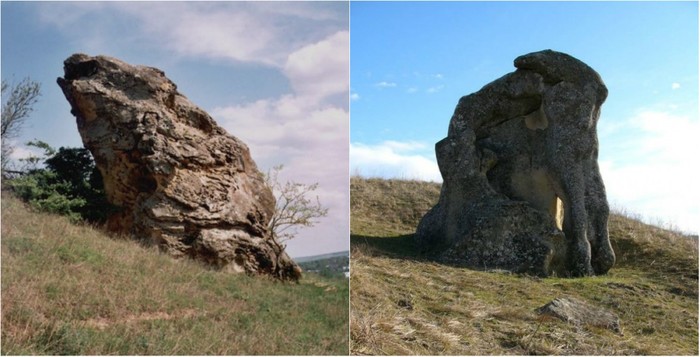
(181, 181)
(519, 152)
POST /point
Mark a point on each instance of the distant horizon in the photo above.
(331, 254)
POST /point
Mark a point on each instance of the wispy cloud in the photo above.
(650, 166)
(288, 129)
(385, 84)
(238, 31)
(321, 69)
(675, 85)
(434, 89)
(393, 159)
(354, 97)
(22, 151)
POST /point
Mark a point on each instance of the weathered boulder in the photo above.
(517, 153)
(180, 181)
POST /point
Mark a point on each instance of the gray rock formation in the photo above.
(180, 180)
(516, 152)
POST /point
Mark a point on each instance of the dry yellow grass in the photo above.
(404, 304)
(69, 289)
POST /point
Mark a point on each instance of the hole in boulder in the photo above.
(557, 211)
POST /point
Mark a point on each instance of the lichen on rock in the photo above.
(519, 152)
(180, 180)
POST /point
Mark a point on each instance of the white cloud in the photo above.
(213, 34)
(321, 69)
(393, 159)
(64, 17)
(669, 137)
(354, 97)
(384, 84)
(406, 146)
(287, 127)
(22, 151)
(435, 89)
(412, 90)
(649, 167)
(300, 122)
(675, 85)
(240, 31)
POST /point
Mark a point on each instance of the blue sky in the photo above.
(273, 74)
(412, 61)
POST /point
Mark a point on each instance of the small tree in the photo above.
(16, 107)
(70, 184)
(294, 209)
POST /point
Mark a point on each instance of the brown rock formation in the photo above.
(515, 151)
(180, 180)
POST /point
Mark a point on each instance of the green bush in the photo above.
(43, 191)
(70, 185)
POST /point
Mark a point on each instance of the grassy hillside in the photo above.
(68, 289)
(403, 304)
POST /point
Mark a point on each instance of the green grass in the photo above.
(69, 289)
(402, 303)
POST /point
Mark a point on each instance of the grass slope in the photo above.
(68, 289)
(403, 304)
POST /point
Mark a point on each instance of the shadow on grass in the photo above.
(630, 255)
(401, 246)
